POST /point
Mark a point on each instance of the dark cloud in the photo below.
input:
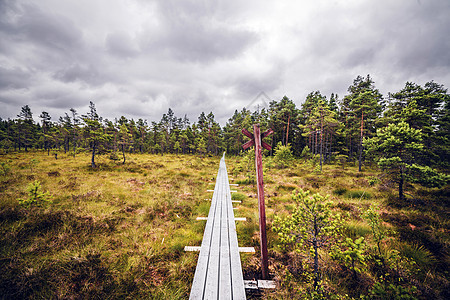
(29, 24)
(188, 31)
(15, 78)
(87, 74)
(121, 45)
(138, 58)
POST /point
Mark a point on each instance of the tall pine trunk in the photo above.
(361, 142)
(400, 184)
(93, 155)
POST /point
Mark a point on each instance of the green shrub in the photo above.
(238, 196)
(4, 168)
(383, 290)
(373, 180)
(283, 155)
(340, 191)
(342, 160)
(35, 196)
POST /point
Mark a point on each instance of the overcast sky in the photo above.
(137, 58)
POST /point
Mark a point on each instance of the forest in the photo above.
(415, 118)
(372, 168)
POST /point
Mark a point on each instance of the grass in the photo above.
(119, 231)
(109, 232)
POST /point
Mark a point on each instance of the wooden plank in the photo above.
(225, 271)
(266, 284)
(212, 282)
(218, 273)
(198, 284)
(235, 259)
(192, 248)
(240, 249)
(246, 249)
(251, 284)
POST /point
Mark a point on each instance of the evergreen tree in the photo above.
(124, 140)
(360, 109)
(428, 103)
(312, 226)
(232, 130)
(75, 130)
(442, 137)
(320, 127)
(45, 130)
(397, 147)
(25, 134)
(93, 132)
(284, 121)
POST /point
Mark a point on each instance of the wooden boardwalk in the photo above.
(219, 274)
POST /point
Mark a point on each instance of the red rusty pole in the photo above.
(261, 204)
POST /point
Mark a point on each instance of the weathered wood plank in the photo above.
(218, 274)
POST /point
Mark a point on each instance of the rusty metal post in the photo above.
(261, 204)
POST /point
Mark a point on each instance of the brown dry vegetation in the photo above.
(119, 231)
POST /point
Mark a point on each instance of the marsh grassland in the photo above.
(118, 231)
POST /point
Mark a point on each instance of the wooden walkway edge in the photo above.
(218, 274)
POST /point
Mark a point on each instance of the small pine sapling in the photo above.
(311, 227)
(283, 155)
(379, 233)
(4, 168)
(36, 197)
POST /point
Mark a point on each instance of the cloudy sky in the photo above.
(137, 58)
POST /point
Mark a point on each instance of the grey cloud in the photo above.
(121, 45)
(250, 85)
(142, 57)
(57, 98)
(14, 78)
(189, 32)
(45, 29)
(81, 72)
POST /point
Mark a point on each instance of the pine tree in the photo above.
(284, 120)
(397, 147)
(93, 132)
(45, 130)
(25, 134)
(75, 130)
(360, 109)
(312, 226)
(320, 125)
(124, 140)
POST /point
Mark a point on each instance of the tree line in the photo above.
(415, 119)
